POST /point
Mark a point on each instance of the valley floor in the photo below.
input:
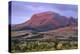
(60, 39)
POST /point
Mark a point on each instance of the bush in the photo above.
(41, 46)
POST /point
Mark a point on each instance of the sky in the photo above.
(23, 11)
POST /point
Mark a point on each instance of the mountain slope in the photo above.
(45, 21)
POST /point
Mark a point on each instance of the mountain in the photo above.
(45, 21)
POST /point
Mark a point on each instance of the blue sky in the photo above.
(22, 11)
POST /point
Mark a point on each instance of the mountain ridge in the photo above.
(45, 21)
